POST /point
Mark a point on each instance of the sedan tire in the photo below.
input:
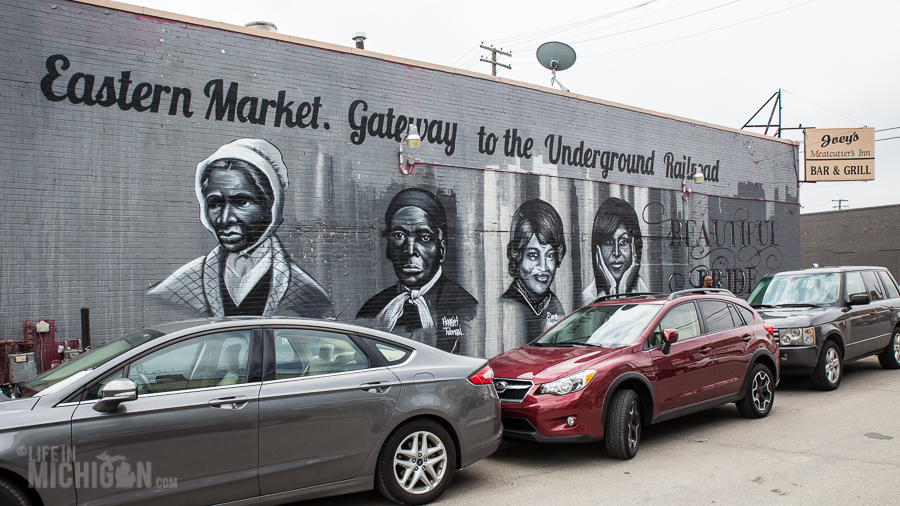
(623, 425)
(12, 495)
(757, 402)
(829, 371)
(890, 357)
(416, 463)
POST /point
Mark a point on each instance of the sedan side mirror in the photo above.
(669, 337)
(114, 393)
(860, 299)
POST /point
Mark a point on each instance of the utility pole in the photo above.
(839, 201)
(493, 61)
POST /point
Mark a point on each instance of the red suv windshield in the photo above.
(607, 326)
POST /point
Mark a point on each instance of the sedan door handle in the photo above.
(705, 350)
(376, 387)
(233, 402)
(746, 337)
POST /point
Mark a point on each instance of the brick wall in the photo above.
(852, 237)
(99, 201)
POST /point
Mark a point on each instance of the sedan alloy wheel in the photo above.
(420, 462)
(417, 462)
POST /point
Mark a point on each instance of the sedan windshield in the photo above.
(85, 362)
(608, 326)
(797, 290)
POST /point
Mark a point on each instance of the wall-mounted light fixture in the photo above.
(412, 141)
(697, 177)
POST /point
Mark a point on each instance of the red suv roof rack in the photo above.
(631, 295)
(700, 291)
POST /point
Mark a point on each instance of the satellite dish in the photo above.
(556, 56)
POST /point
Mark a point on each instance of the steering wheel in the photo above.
(146, 381)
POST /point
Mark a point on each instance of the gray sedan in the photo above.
(247, 411)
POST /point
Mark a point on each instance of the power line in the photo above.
(830, 186)
(629, 21)
(464, 56)
(562, 28)
(698, 34)
(657, 24)
(607, 27)
(823, 107)
(887, 138)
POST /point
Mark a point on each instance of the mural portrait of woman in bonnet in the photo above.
(240, 189)
(535, 249)
(616, 248)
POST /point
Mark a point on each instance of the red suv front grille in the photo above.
(511, 390)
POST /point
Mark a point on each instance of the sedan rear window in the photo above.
(391, 354)
(607, 326)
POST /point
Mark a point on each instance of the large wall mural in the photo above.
(522, 203)
(240, 189)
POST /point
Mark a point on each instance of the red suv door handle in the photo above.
(705, 350)
(746, 337)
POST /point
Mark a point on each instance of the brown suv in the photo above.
(827, 316)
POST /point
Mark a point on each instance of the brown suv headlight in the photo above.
(797, 337)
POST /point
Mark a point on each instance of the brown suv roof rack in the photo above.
(700, 291)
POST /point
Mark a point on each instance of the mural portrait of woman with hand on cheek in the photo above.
(616, 248)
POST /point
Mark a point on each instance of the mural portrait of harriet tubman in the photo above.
(240, 189)
(535, 249)
(425, 304)
(616, 248)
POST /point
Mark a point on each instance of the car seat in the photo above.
(322, 364)
(232, 359)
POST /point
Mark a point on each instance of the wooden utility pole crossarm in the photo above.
(493, 61)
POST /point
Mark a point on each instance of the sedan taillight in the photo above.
(484, 376)
(769, 328)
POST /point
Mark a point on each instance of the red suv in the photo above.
(630, 360)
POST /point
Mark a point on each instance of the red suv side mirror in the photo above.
(670, 335)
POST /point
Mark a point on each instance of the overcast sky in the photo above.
(716, 61)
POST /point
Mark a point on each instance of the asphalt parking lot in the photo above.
(816, 448)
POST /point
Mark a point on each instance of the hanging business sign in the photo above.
(839, 154)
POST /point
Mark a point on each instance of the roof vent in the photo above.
(262, 25)
(360, 38)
